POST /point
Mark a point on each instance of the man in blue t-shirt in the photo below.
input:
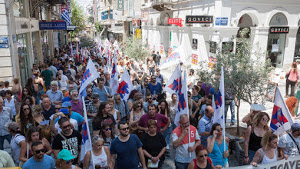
(39, 160)
(154, 87)
(127, 149)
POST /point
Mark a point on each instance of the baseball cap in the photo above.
(295, 127)
(65, 155)
(13, 126)
(64, 111)
(66, 104)
(95, 95)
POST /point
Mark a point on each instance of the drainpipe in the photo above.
(8, 5)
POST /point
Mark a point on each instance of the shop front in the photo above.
(277, 39)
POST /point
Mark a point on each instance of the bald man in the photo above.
(180, 137)
(205, 124)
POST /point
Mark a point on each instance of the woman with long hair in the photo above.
(103, 116)
(215, 146)
(135, 115)
(28, 100)
(163, 108)
(99, 156)
(202, 161)
(34, 134)
(131, 97)
(254, 135)
(268, 153)
(292, 77)
(26, 119)
(107, 134)
(27, 93)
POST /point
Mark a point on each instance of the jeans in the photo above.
(2, 138)
(288, 83)
(181, 165)
(232, 109)
(167, 134)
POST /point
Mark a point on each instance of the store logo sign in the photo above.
(24, 26)
(279, 30)
(199, 19)
(175, 21)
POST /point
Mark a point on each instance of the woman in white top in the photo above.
(268, 153)
(100, 153)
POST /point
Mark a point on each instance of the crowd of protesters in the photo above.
(42, 120)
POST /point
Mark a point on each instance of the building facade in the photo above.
(274, 26)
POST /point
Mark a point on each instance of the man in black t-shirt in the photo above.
(71, 142)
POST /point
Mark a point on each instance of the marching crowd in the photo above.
(43, 120)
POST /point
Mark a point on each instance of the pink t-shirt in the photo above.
(294, 76)
(159, 118)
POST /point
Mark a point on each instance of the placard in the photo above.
(120, 5)
(145, 17)
(195, 44)
(271, 89)
(221, 21)
(194, 59)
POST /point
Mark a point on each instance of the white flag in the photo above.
(114, 83)
(281, 119)
(172, 86)
(219, 100)
(89, 75)
(125, 86)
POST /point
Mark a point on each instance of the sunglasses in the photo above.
(69, 161)
(219, 130)
(39, 151)
(26, 109)
(124, 129)
(108, 129)
(265, 119)
(67, 126)
(139, 106)
(57, 108)
(202, 156)
(118, 99)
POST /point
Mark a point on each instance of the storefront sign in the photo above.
(53, 25)
(24, 26)
(118, 24)
(3, 42)
(199, 19)
(221, 21)
(175, 21)
(145, 17)
(279, 30)
(120, 5)
(104, 15)
(195, 44)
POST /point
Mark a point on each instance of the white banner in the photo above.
(290, 163)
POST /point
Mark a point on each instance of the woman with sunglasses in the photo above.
(216, 146)
(254, 135)
(135, 115)
(103, 116)
(107, 134)
(34, 134)
(202, 161)
(25, 118)
(64, 160)
(268, 153)
(100, 153)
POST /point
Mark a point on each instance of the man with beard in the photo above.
(39, 160)
(159, 118)
(77, 105)
(154, 87)
(89, 92)
(67, 139)
(143, 87)
(127, 150)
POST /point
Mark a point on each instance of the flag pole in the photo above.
(223, 108)
(188, 112)
(88, 130)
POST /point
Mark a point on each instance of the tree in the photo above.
(98, 27)
(244, 71)
(91, 19)
(134, 49)
(77, 18)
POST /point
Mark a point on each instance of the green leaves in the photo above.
(134, 49)
(77, 18)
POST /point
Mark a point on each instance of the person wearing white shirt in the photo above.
(191, 79)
